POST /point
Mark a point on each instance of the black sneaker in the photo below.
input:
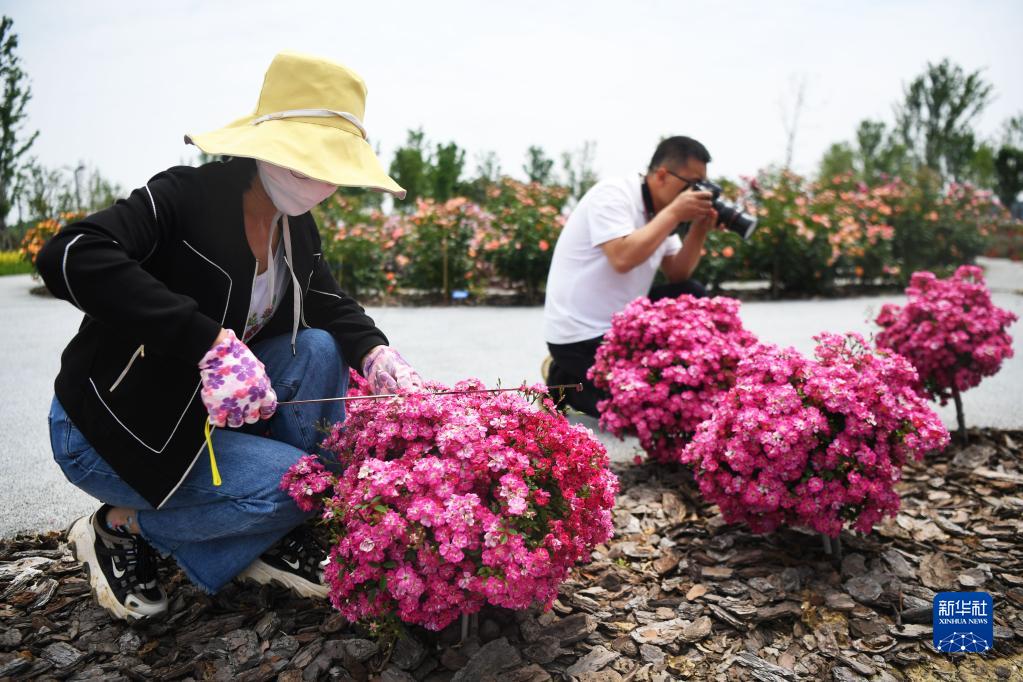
(121, 567)
(296, 561)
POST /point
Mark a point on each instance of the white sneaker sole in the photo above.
(80, 538)
(263, 573)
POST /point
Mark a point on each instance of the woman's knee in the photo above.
(323, 359)
(321, 350)
(316, 341)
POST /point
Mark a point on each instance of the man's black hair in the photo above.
(675, 151)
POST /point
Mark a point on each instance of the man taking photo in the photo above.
(617, 237)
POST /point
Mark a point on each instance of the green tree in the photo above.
(874, 155)
(578, 167)
(839, 159)
(488, 166)
(1009, 174)
(46, 192)
(445, 170)
(980, 167)
(488, 172)
(871, 142)
(14, 143)
(935, 119)
(411, 168)
(538, 167)
(426, 174)
(1008, 162)
(95, 191)
(1012, 132)
(879, 153)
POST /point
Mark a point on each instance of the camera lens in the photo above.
(734, 220)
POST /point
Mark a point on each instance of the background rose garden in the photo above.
(815, 237)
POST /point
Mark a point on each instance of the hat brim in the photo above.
(322, 152)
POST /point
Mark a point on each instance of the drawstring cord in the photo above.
(213, 460)
(298, 314)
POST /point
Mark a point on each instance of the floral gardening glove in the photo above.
(235, 387)
(387, 372)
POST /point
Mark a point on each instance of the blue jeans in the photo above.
(214, 532)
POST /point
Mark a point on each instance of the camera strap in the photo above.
(648, 202)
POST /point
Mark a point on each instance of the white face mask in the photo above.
(290, 193)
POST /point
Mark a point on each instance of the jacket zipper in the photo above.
(140, 351)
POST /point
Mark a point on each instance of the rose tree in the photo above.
(448, 502)
(950, 331)
(664, 364)
(816, 443)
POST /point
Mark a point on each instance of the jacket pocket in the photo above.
(147, 399)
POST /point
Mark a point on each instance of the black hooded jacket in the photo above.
(157, 276)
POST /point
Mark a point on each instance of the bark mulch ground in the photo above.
(677, 594)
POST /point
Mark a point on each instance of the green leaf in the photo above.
(383, 509)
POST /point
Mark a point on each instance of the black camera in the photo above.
(729, 217)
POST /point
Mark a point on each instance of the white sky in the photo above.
(117, 84)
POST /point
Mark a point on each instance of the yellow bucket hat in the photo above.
(309, 119)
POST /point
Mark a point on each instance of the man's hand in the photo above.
(681, 266)
(705, 224)
(691, 206)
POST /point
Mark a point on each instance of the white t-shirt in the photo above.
(264, 302)
(583, 289)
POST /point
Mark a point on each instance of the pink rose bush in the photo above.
(949, 330)
(814, 442)
(448, 502)
(665, 364)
